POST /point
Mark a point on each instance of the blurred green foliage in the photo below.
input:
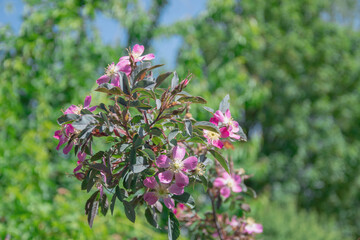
(290, 67)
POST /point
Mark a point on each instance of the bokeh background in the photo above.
(292, 69)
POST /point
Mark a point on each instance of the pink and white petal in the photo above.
(237, 179)
(87, 101)
(225, 192)
(214, 121)
(93, 108)
(71, 110)
(175, 189)
(228, 114)
(178, 153)
(103, 79)
(181, 179)
(57, 134)
(190, 163)
(219, 116)
(169, 203)
(147, 57)
(150, 182)
(234, 136)
(236, 188)
(69, 129)
(218, 144)
(224, 133)
(124, 58)
(151, 198)
(116, 81)
(68, 148)
(226, 176)
(166, 177)
(235, 126)
(138, 49)
(219, 182)
(163, 161)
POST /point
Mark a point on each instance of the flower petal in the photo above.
(68, 148)
(150, 182)
(71, 110)
(181, 179)
(219, 182)
(103, 79)
(93, 108)
(124, 58)
(81, 156)
(116, 81)
(236, 188)
(138, 49)
(77, 168)
(87, 101)
(57, 134)
(178, 153)
(225, 192)
(219, 116)
(190, 163)
(150, 198)
(218, 143)
(147, 57)
(169, 203)
(175, 189)
(228, 114)
(163, 161)
(69, 129)
(224, 132)
(166, 177)
(214, 121)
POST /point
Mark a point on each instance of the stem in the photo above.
(215, 217)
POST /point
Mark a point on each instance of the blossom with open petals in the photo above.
(63, 136)
(231, 126)
(176, 166)
(112, 72)
(73, 109)
(228, 183)
(252, 227)
(162, 191)
(136, 54)
(213, 138)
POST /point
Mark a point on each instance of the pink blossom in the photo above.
(234, 222)
(136, 54)
(81, 156)
(231, 126)
(176, 166)
(73, 109)
(252, 227)
(112, 72)
(162, 191)
(213, 138)
(228, 183)
(63, 136)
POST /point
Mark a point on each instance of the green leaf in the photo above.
(120, 193)
(140, 165)
(173, 134)
(196, 140)
(67, 118)
(207, 126)
(242, 134)
(155, 131)
(174, 81)
(161, 78)
(129, 211)
(149, 153)
(137, 141)
(210, 110)
(188, 127)
(97, 156)
(146, 84)
(185, 198)
(124, 83)
(104, 204)
(85, 111)
(100, 167)
(151, 218)
(91, 208)
(204, 182)
(193, 100)
(224, 104)
(84, 121)
(112, 204)
(173, 227)
(220, 159)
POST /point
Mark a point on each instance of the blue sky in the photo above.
(165, 49)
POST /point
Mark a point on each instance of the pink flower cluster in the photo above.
(175, 167)
(64, 135)
(112, 72)
(228, 128)
(227, 184)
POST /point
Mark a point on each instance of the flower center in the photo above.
(213, 136)
(111, 70)
(177, 165)
(200, 169)
(230, 183)
(162, 192)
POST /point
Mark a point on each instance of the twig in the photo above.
(215, 217)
